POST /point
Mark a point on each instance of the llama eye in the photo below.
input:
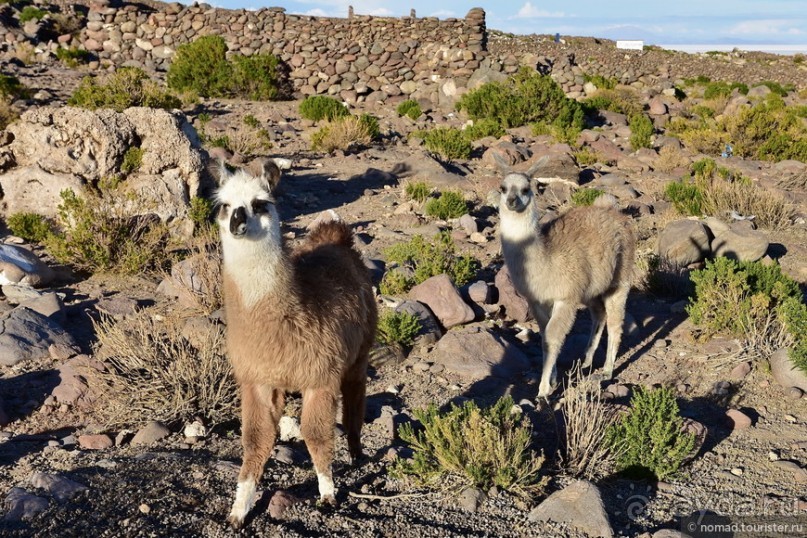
(524, 191)
(502, 189)
(260, 207)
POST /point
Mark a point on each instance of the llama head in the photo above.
(247, 209)
(516, 193)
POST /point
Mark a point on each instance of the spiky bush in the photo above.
(322, 107)
(450, 205)
(448, 142)
(469, 446)
(11, 87)
(125, 88)
(409, 108)
(132, 160)
(417, 190)
(585, 196)
(641, 131)
(30, 226)
(397, 328)
(483, 128)
(431, 258)
(650, 439)
(73, 56)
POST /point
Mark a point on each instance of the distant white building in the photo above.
(630, 44)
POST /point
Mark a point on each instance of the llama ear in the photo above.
(267, 170)
(223, 172)
(503, 166)
(536, 166)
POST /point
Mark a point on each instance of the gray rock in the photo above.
(560, 165)
(61, 488)
(150, 434)
(442, 298)
(470, 499)
(21, 266)
(578, 505)
(741, 243)
(28, 335)
(22, 505)
(785, 373)
(48, 304)
(515, 306)
(468, 224)
(684, 242)
(280, 502)
(509, 152)
(479, 292)
(476, 353)
(430, 330)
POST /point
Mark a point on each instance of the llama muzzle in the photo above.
(238, 222)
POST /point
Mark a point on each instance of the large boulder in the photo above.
(56, 148)
(442, 298)
(578, 505)
(684, 242)
(740, 242)
(28, 335)
(785, 372)
(21, 266)
(476, 353)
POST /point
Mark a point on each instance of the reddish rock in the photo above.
(739, 419)
(440, 295)
(95, 442)
(515, 306)
(280, 502)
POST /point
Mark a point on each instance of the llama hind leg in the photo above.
(354, 388)
(560, 323)
(597, 309)
(615, 313)
(261, 407)
(316, 425)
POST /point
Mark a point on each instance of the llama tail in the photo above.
(333, 232)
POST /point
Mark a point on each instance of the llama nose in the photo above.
(238, 221)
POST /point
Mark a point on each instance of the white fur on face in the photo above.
(250, 259)
(517, 225)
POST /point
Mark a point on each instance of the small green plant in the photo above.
(417, 190)
(484, 128)
(723, 89)
(31, 13)
(649, 439)
(476, 447)
(586, 156)
(778, 88)
(409, 108)
(623, 101)
(430, 258)
(450, 205)
(601, 82)
(322, 107)
(200, 212)
(585, 196)
(397, 328)
(256, 77)
(11, 87)
(132, 160)
(395, 283)
(30, 226)
(102, 232)
(127, 87)
(686, 197)
(73, 56)
(641, 131)
(251, 121)
(448, 142)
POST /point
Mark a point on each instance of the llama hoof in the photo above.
(328, 501)
(235, 521)
(602, 376)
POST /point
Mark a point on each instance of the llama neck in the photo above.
(520, 229)
(258, 269)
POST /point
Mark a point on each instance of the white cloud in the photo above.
(379, 12)
(317, 12)
(528, 11)
(443, 13)
(764, 26)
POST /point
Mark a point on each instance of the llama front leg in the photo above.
(560, 323)
(261, 407)
(316, 425)
(615, 313)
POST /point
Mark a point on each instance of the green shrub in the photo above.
(622, 101)
(686, 197)
(370, 123)
(101, 232)
(132, 160)
(718, 89)
(649, 439)
(585, 196)
(127, 87)
(601, 82)
(30, 226)
(586, 156)
(475, 447)
(793, 312)
(450, 205)
(201, 66)
(417, 190)
(251, 121)
(409, 108)
(483, 128)
(399, 328)
(255, 77)
(395, 283)
(448, 142)
(200, 212)
(778, 88)
(431, 258)
(524, 98)
(73, 56)
(31, 13)
(641, 131)
(322, 107)
(11, 87)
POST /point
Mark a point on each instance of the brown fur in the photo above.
(312, 335)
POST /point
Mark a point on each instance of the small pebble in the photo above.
(773, 455)
(791, 418)
(795, 393)
(144, 508)
(737, 471)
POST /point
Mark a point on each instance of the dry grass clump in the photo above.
(156, 371)
(746, 198)
(670, 158)
(198, 276)
(586, 418)
(344, 133)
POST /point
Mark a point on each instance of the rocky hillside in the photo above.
(118, 413)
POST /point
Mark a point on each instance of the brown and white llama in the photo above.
(585, 257)
(297, 320)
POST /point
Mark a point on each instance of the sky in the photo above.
(658, 23)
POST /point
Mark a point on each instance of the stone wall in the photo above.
(349, 57)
